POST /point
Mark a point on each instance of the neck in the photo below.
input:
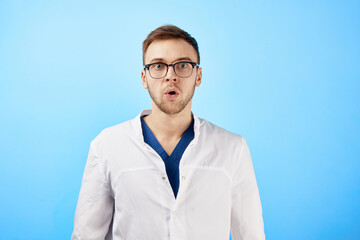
(168, 126)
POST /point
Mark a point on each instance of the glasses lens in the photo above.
(157, 70)
(183, 69)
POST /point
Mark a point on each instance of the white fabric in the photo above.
(126, 195)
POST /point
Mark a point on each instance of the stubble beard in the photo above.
(170, 107)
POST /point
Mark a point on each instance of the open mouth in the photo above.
(171, 94)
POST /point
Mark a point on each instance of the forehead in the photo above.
(170, 50)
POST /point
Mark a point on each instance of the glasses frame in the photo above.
(193, 64)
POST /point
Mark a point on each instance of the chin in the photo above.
(171, 109)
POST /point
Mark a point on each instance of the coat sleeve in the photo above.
(246, 212)
(94, 209)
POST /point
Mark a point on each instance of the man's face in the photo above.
(171, 94)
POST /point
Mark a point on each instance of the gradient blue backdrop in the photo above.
(284, 74)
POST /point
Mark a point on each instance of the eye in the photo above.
(157, 66)
(183, 65)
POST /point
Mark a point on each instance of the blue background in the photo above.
(284, 74)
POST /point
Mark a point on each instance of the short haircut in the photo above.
(168, 32)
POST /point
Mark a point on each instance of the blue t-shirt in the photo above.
(172, 161)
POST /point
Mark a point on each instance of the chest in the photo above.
(169, 144)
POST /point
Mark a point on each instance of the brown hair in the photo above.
(167, 32)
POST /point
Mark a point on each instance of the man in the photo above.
(168, 174)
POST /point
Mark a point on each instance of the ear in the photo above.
(198, 77)
(143, 79)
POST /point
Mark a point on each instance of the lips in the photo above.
(171, 93)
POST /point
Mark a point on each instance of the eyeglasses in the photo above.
(181, 69)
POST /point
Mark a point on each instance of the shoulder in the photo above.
(217, 141)
(115, 134)
(213, 136)
(213, 131)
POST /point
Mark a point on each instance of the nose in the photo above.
(171, 75)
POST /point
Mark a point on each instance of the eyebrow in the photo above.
(176, 60)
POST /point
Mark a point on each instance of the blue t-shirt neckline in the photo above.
(172, 161)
